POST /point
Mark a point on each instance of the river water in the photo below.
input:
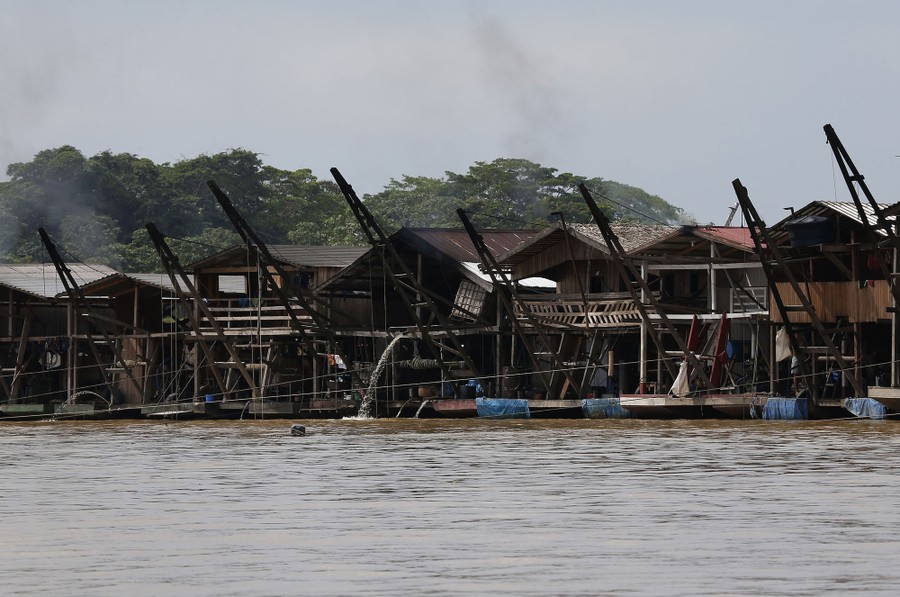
(472, 507)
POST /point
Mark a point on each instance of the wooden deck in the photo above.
(327, 408)
(890, 397)
(715, 406)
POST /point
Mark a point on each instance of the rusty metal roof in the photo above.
(692, 243)
(455, 242)
(451, 246)
(40, 280)
(631, 236)
(735, 236)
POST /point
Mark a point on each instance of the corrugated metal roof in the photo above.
(845, 209)
(848, 210)
(455, 242)
(159, 280)
(118, 283)
(547, 237)
(41, 280)
(736, 236)
(298, 255)
(691, 244)
(446, 244)
(631, 235)
(316, 256)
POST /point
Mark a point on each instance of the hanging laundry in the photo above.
(335, 360)
(682, 385)
(782, 346)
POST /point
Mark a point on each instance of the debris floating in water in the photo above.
(298, 430)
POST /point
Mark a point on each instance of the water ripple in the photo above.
(398, 507)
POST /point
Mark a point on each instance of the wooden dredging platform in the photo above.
(656, 321)
(721, 406)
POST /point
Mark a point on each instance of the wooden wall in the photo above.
(833, 300)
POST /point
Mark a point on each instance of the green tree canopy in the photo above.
(96, 207)
(512, 193)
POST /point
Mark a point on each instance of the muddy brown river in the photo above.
(432, 507)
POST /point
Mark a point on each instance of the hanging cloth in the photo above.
(782, 346)
(682, 385)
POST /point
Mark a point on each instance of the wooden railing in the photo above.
(749, 300)
(566, 311)
(246, 316)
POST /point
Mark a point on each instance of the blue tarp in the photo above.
(502, 408)
(786, 409)
(604, 408)
(866, 408)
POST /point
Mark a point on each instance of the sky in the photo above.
(678, 98)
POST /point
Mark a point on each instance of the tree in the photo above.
(304, 210)
(635, 204)
(48, 189)
(415, 201)
(124, 187)
(509, 193)
(91, 239)
(238, 172)
(97, 207)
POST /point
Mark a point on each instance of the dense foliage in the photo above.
(95, 208)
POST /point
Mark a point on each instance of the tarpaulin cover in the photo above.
(603, 408)
(866, 408)
(502, 408)
(786, 409)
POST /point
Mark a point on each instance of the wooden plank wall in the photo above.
(833, 300)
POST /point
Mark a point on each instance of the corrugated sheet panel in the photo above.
(119, 283)
(846, 209)
(41, 280)
(299, 255)
(159, 280)
(315, 256)
(455, 242)
(631, 236)
(735, 236)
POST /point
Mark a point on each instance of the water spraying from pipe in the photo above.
(369, 398)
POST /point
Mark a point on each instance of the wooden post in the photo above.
(135, 309)
(21, 361)
(644, 348)
(10, 320)
(895, 327)
(498, 364)
(72, 356)
(774, 367)
(711, 273)
(857, 327)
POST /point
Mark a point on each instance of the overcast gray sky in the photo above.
(678, 98)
